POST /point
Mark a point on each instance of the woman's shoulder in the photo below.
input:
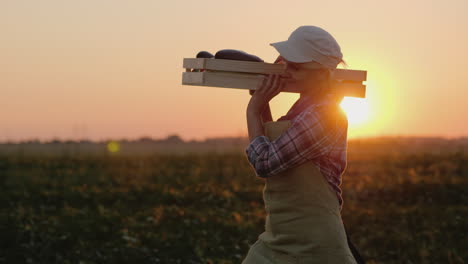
(328, 111)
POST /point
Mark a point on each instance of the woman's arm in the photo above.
(268, 89)
(310, 136)
(254, 123)
(266, 114)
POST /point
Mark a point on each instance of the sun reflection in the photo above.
(356, 109)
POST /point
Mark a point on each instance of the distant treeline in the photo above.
(174, 144)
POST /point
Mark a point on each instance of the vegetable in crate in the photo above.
(232, 54)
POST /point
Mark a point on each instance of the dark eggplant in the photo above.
(204, 54)
(232, 54)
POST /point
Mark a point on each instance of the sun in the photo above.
(356, 109)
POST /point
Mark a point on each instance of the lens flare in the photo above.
(356, 109)
(113, 146)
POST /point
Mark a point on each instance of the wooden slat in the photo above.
(351, 75)
(193, 78)
(233, 65)
(261, 68)
(222, 79)
(351, 89)
(251, 81)
(194, 63)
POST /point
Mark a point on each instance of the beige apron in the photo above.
(303, 222)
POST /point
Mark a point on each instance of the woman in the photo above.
(301, 156)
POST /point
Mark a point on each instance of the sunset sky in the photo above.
(112, 69)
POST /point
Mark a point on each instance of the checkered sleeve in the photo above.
(311, 135)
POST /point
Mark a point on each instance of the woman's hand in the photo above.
(266, 90)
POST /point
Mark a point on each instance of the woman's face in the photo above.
(301, 77)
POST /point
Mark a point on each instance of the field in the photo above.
(400, 207)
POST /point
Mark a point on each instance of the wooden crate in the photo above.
(248, 75)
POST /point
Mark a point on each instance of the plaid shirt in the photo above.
(318, 134)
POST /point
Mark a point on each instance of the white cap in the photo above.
(310, 44)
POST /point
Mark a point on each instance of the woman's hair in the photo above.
(322, 75)
(344, 63)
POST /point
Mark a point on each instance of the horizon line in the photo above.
(176, 137)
